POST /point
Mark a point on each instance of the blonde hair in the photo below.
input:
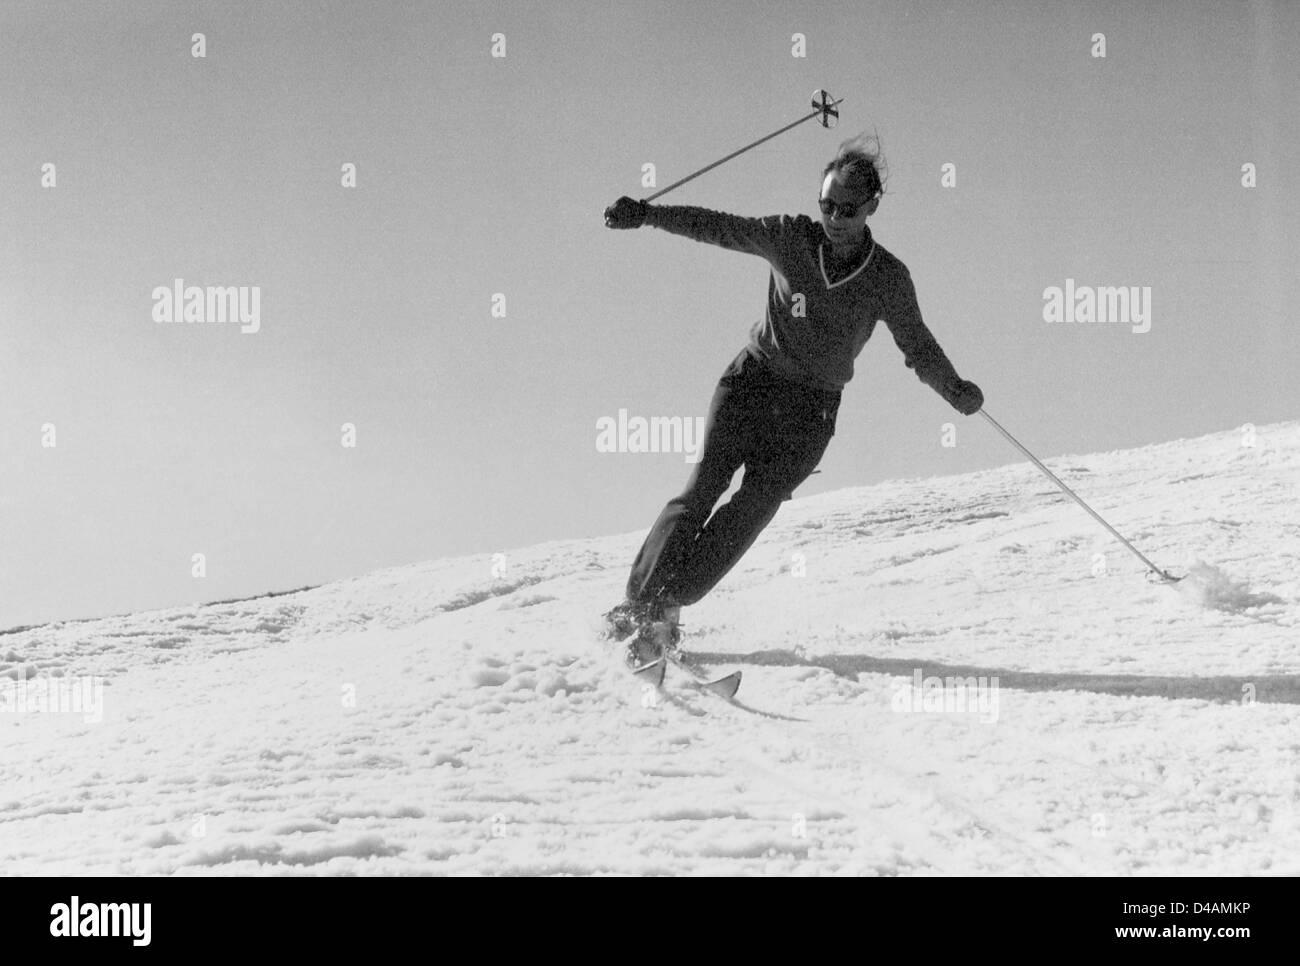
(860, 162)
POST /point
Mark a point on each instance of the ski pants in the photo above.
(777, 430)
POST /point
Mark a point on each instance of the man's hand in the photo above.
(626, 213)
(964, 396)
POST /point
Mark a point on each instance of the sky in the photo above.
(437, 346)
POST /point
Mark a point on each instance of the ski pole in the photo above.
(1164, 575)
(825, 108)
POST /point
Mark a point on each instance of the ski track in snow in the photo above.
(440, 719)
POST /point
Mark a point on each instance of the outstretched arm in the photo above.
(756, 236)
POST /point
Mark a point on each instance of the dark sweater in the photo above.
(818, 347)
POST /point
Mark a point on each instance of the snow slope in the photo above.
(460, 716)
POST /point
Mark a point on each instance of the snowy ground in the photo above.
(460, 716)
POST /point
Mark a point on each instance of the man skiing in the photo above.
(775, 406)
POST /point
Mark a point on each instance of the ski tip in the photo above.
(725, 686)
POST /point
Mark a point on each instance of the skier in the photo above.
(775, 406)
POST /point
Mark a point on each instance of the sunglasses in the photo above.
(847, 209)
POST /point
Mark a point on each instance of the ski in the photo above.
(724, 687)
(652, 672)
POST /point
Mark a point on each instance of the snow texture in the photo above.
(462, 717)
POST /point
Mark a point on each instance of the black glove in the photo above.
(964, 396)
(626, 213)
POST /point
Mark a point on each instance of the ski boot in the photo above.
(649, 628)
(623, 621)
(658, 633)
(641, 649)
(663, 624)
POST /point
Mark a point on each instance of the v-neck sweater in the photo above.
(814, 328)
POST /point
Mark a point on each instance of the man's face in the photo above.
(835, 201)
